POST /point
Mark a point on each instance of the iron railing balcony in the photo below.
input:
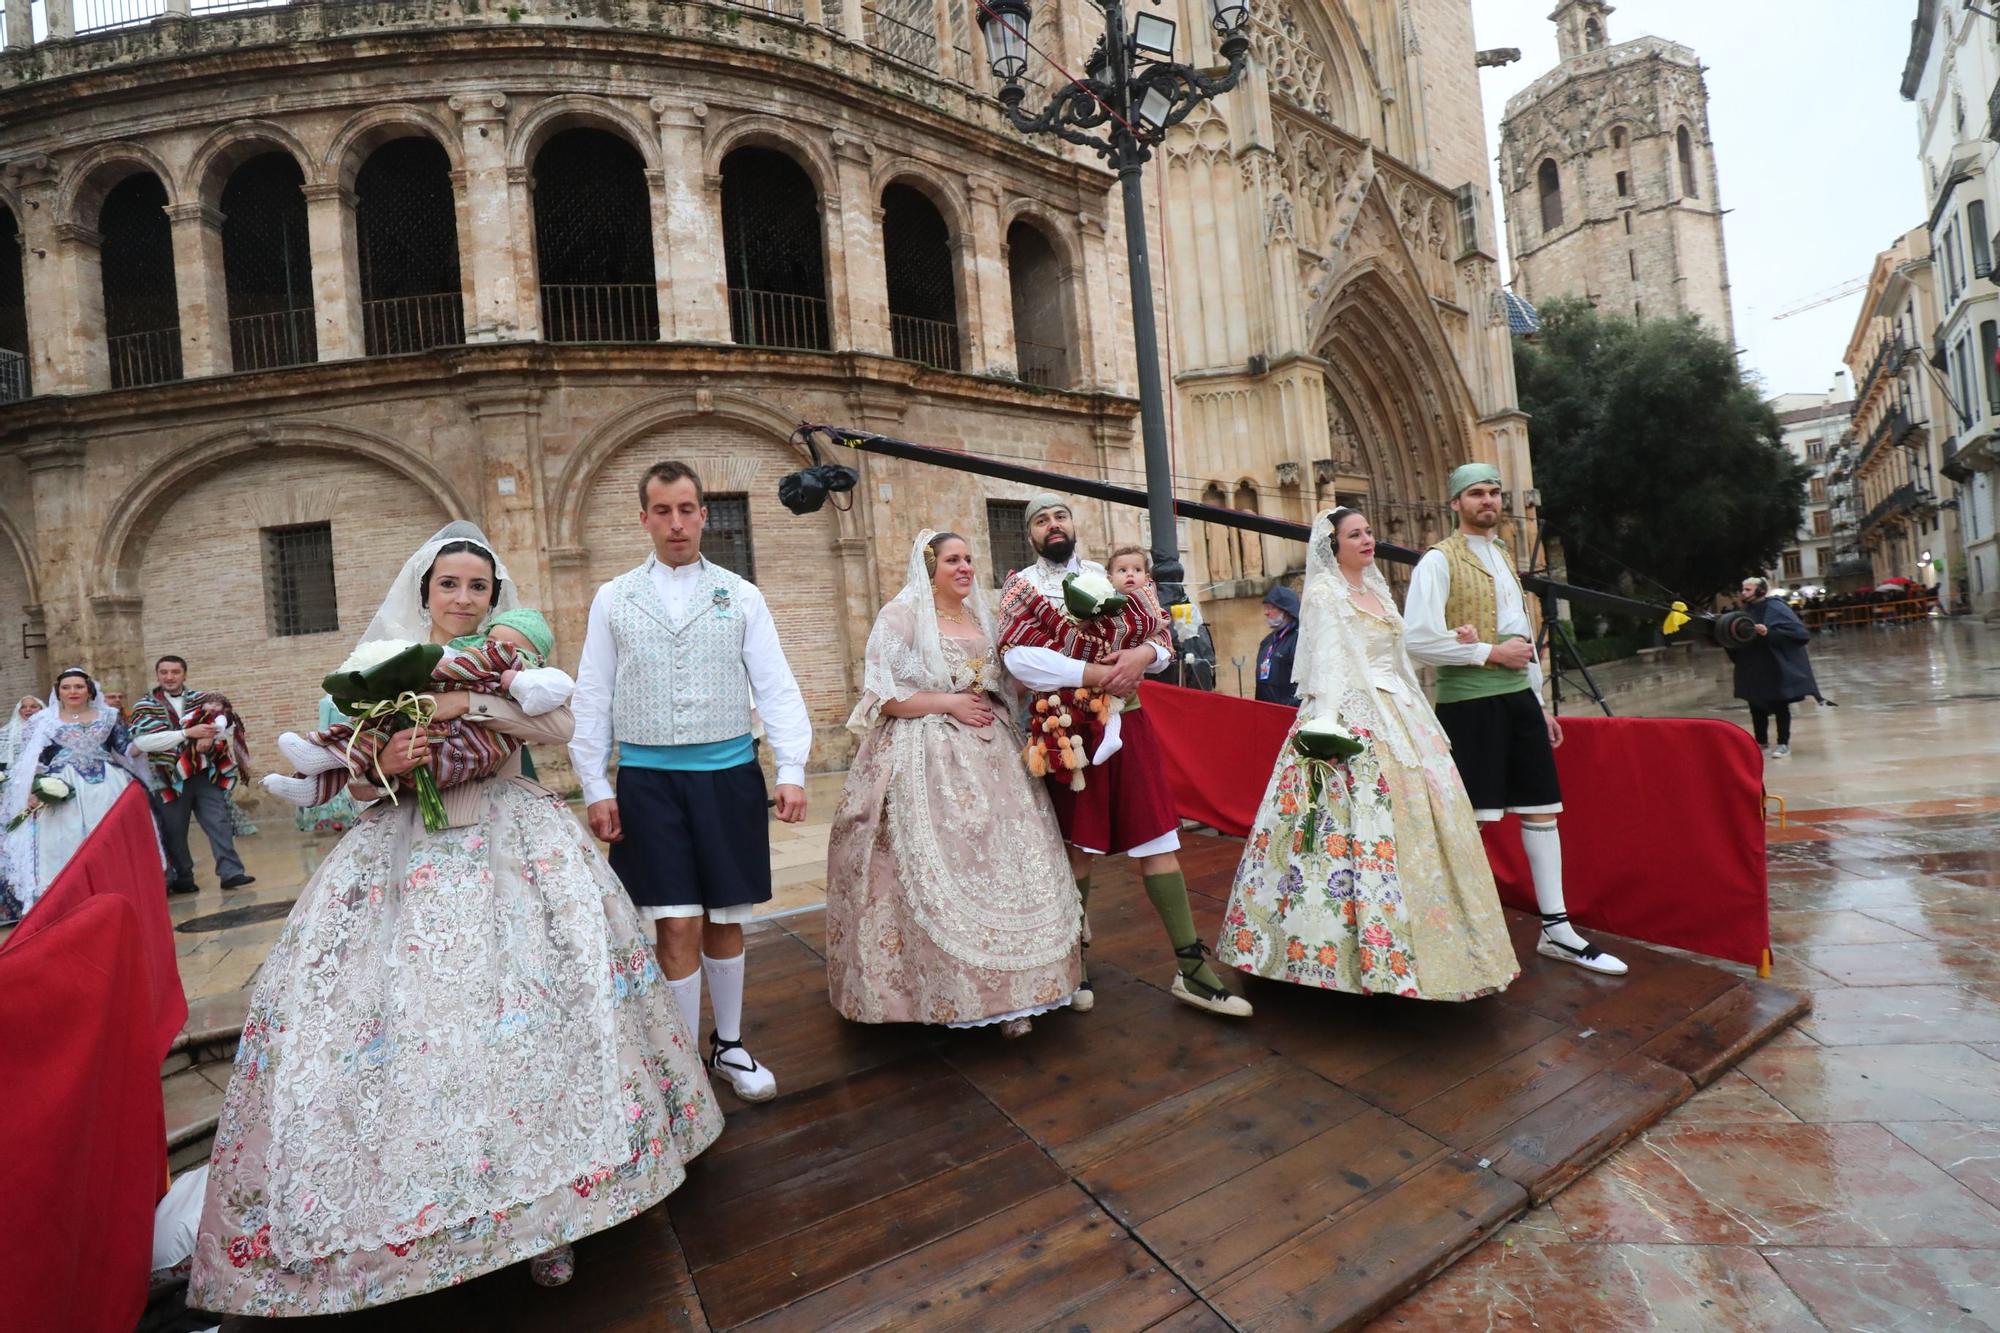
(600, 312)
(14, 383)
(1904, 499)
(275, 338)
(1043, 364)
(778, 319)
(1888, 359)
(932, 342)
(398, 324)
(152, 357)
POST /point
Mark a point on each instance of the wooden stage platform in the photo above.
(1141, 1166)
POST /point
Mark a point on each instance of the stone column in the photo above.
(487, 220)
(990, 333)
(45, 288)
(201, 289)
(64, 545)
(60, 16)
(20, 30)
(118, 642)
(857, 281)
(336, 271)
(853, 21)
(694, 287)
(81, 252)
(508, 421)
(1099, 315)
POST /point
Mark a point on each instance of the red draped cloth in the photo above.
(1663, 830)
(90, 1000)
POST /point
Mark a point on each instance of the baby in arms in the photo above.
(506, 658)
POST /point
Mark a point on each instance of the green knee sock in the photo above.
(1083, 894)
(1168, 894)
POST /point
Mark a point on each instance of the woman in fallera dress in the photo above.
(1366, 875)
(460, 1053)
(949, 896)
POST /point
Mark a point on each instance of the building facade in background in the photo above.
(1899, 508)
(1952, 73)
(1813, 425)
(1610, 178)
(299, 283)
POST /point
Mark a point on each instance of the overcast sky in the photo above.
(1816, 150)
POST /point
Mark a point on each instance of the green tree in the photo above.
(1658, 463)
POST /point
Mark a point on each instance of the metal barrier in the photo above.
(413, 323)
(1899, 611)
(600, 312)
(930, 341)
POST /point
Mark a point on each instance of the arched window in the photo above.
(1593, 35)
(406, 223)
(1618, 136)
(1041, 317)
(1550, 181)
(267, 265)
(923, 295)
(594, 240)
(1217, 541)
(1249, 546)
(14, 384)
(772, 252)
(142, 310)
(1684, 150)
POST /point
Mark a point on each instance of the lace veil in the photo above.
(403, 616)
(36, 733)
(1331, 665)
(906, 648)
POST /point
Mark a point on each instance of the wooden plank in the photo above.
(1137, 1048)
(1484, 1034)
(805, 1043)
(1548, 1148)
(1146, 1163)
(1197, 1316)
(1640, 1005)
(791, 1111)
(820, 1170)
(774, 1275)
(1479, 1108)
(1271, 1205)
(1358, 1265)
(1713, 1039)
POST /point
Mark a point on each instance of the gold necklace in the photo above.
(943, 614)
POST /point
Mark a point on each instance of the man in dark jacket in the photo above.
(1772, 670)
(1274, 655)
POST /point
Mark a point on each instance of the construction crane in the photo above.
(1824, 298)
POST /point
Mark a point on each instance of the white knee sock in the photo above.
(725, 994)
(687, 995)
(1543, 844)
(307, 757)
(294, 791)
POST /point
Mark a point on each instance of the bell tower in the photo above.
(1582, 26)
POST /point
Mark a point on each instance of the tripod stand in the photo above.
(1555, 640)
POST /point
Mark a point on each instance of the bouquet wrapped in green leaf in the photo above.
(384, 687)
(1089, 595)
(46, 791)
(1320, 743)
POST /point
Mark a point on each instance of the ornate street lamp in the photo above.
(1131, 93)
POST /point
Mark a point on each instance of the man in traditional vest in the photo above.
(675, 652)
(1489, 695)
(1125, 805)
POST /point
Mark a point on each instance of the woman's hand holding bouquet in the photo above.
(383, 688)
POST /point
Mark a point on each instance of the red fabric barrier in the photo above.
(1663, 830)
(90, 1000)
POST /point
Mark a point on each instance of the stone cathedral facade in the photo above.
(296, 283)
(1610, 178)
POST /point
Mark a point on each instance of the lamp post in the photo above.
(1132, 92)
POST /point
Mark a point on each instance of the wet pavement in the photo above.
(1846, 1176)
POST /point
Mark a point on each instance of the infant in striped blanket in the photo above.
(506, 658)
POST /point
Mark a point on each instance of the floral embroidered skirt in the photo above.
(1372, 879)
(948, 893)
(459, 1054)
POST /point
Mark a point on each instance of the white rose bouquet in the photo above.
(46, 791)
(384, 687)
(1320, 743)
(1089, 595)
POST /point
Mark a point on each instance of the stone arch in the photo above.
(785, 137)
(228, 148)
(372, 128)
(1328, 32)
(120, 549)
(948, 197)
(17, 541)
(610, 436)
(576, 111)
(91, 177)
(1061, 234)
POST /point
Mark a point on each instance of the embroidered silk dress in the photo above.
(82, 755)
(1380, 885)
(949, 896)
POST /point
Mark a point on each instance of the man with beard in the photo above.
(1489, 695)
(1124, 804)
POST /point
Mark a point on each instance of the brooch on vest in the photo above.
(721, 603)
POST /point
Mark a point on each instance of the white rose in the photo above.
(52, 789)
(373, 654)
(1096, 586)
(1325, 726)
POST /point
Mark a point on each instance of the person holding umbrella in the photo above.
(1772, 669)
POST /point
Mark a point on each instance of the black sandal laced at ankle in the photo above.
(1197, 954)
(1588, 953)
